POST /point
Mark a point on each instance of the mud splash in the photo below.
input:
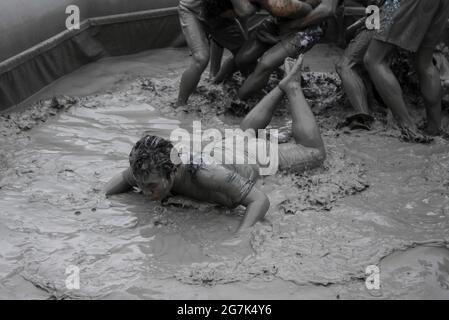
(375, 197)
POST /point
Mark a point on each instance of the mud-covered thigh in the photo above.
(297, 158)
(194, 31)
(357, 48)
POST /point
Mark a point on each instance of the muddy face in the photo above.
(156, 187)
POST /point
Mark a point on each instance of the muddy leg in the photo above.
(216, 56)
(272, 59)
(377, 64)
(198, 43)
(429, 80)
(305, 129)
(261, 115)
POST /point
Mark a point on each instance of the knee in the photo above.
(201, 59)
(342, 65)
(241, 61)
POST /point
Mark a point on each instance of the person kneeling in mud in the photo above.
(153, 171)
(416, 26)
(357, 85)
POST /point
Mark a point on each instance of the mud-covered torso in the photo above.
(224, 185)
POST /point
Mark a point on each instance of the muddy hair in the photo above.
(151, 154)
(213, 8)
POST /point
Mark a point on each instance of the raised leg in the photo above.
(227, 69)
(304, 128)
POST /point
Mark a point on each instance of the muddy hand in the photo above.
(292, 73)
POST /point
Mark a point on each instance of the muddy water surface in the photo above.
(377, 201)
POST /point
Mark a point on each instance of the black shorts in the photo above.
(413, 24)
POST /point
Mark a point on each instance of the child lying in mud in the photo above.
(153, 171)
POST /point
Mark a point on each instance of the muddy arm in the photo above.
(325, 10)
(119, 184)
(257, 205)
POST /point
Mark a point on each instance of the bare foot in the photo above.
(292, 78)
(436, 133)
(408, 135)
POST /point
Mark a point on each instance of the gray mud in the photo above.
(376, 201)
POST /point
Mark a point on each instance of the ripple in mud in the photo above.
(320, 190)
(326, 241)
(36, 114)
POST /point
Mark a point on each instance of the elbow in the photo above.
(108, 191)
(327, 12)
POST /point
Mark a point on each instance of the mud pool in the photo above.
(377, 201)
